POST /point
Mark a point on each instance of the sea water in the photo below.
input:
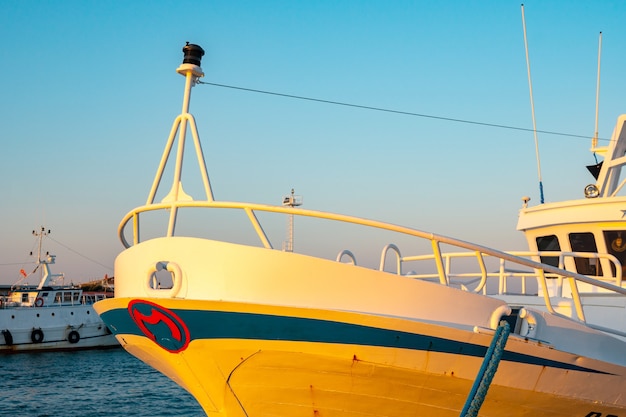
(95, 383)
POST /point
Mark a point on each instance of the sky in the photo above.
(88, 94)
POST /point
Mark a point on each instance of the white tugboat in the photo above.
(51, 316)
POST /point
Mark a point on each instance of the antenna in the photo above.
(40, 235)
(594, 141)
(532, 109)
(290, 201)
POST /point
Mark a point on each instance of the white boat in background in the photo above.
(250, 330)
(51, 317)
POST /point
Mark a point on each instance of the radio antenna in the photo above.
(594, 141)
(532, 109)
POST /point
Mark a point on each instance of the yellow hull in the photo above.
(309, 375)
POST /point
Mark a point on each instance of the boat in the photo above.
(51, 316)
(402, 322)
(587, 236)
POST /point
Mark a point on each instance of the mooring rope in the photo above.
(487, 371)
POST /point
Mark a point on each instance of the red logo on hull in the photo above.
(160, 324)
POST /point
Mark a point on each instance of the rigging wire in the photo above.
(25, 262)
(80, 254)
(406, 113)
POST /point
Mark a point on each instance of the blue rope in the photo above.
(487, 371)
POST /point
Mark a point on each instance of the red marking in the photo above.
(154, 318)
(176, 327)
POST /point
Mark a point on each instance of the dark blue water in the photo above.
(97, 383)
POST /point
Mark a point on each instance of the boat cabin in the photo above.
(586, 235)
(591, 249)
(45, 297)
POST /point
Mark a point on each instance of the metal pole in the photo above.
(594, 142)
(532, 109)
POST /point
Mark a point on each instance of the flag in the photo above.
(23, 273)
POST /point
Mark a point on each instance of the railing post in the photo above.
(383, 257)
(443, 279)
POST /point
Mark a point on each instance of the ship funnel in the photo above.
(193, 54)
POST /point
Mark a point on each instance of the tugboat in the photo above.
(51, 316)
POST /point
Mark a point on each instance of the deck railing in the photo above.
(522, 266)
(503, 273)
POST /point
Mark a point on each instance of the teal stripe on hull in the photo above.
(206, 324)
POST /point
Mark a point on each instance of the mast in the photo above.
(47, 276)
(290, 201)
(191, 70)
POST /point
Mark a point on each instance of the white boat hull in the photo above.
(53, 328)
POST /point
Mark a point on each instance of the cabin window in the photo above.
(549, 243)
(57, 298)
(67, 297)
(24, 298)
(75, 296)
(616, 246)
(585, 242)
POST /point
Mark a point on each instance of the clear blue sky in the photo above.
(89, 91)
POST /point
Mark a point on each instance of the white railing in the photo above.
(503, 273)
(510, 265)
